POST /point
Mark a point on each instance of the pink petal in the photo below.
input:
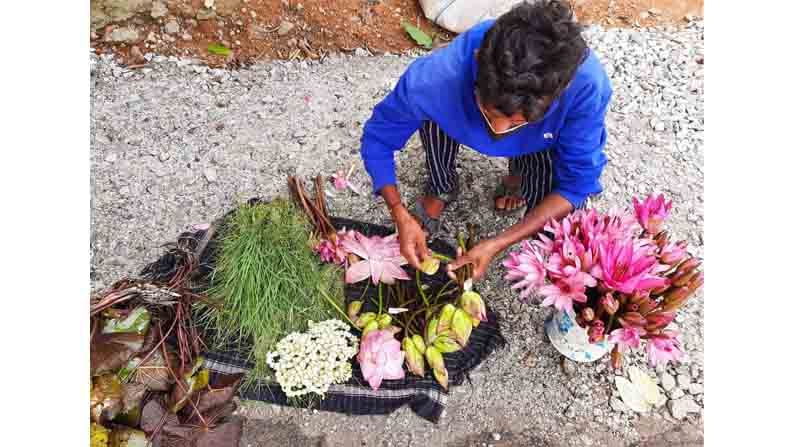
(357, 272)
(377, 273)
(375, 380)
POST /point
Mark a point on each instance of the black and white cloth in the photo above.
(423, 395)
(441, 150)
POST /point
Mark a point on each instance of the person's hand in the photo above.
(480, 256)
(413, 246)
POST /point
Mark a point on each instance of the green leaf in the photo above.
(217, 48)
(418, 35)
(137, 322)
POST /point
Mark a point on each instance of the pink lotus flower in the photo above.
(332, 251)
(664, 348)
(380, 259)
(628, 337)
(626, 270)
(527, 268)
(651, 212)
(342, 181)
(563, 292)
(380, 357)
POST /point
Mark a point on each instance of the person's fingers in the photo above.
(410, 254)
(459, 262)
(500, 203)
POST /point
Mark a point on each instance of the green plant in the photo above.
(267, 282)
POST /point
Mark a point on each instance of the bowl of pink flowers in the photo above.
(614, 279)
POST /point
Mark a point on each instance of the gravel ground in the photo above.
(177, 143)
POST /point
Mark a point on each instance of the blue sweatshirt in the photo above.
(440, 87)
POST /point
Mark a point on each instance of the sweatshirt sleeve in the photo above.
(579, 158)
(392, 123)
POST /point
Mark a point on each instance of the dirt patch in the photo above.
(297, 29)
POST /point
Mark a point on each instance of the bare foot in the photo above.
(433, 206)
(512, 202)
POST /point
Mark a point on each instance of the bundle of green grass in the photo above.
(267, 280)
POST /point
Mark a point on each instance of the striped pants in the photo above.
(534, 169)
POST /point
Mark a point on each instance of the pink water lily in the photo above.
(652, 212)
(380, 357)
(332, 250)
(342, 180)
(672, 253)
(526, 268)
(563, 292)
(628, 337)
(664, 348)
(380, 259)
(626, 268)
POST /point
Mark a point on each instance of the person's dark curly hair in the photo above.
(531, 52)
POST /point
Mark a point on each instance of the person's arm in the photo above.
(413, 246)
(578, 164)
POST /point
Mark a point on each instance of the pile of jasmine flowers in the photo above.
(309, 362)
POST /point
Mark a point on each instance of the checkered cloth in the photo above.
(423, 395)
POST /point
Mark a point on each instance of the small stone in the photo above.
(676, 393)
(187, 36)
(680, 408)
(696, 388)
(205, 14)
(567, 366)
(172, 27)
(210, 175)
(570, 412)
(496, 436)
(120, 261)
(163, 156)
(655, 11)
(683, 380)
(158, 10)
(284, 28)
(124, 34)
(618, 405)
(111, 157)
(667, 381)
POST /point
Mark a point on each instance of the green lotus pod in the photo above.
(462, 326)
(430, 266)
(415, 362)
(419, 343)
(430, 331)
(353, 309)
(364, 319)
(384, 320)
(445, 318)
(441, 377)
(371, 326)
(434, 358)
(446, 344)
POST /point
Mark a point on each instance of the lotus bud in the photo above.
(430, 266)
(441, 377)
(659, 320)
(660, 290)
(676, 256)
(633, 307)
(473, 304)
(430, 331)
(462, 326)
(353, 309)
(371, 326)
(364, 319)
(609, 304)
(414, 359)
(646, 305)
(598, 323)
(445, 318)
(393, 329)
(676, 298)
(696, 282)
(434, 358)
(616, 358)
(384, 320)
(419, 343)
(596, 333)
(684, 268)
(446, 345)
(661, 239)
(685, 279)
(635, 298)
(632, 319)
(588, 314)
